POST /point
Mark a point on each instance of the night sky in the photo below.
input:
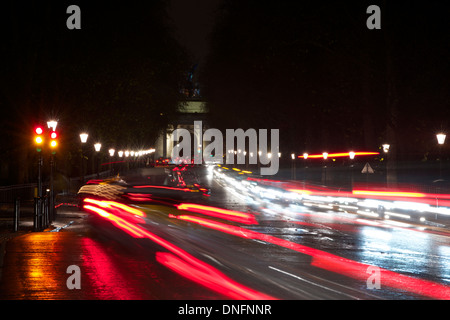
(194, 21)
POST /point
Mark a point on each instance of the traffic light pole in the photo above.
(52, 194)
(37, 201)
(40, 162)
(44, 207)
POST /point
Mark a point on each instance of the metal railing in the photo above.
(22, 191)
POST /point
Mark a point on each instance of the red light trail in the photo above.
(339, 154)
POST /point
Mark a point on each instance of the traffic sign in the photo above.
(367, 169)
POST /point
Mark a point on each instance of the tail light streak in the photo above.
(179, 260)
(231, 215)
(333, 263)
(196, 270)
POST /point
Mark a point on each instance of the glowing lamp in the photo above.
(83, 137)
(52, 124)
(441, 138)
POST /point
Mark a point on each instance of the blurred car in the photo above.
(161, 162)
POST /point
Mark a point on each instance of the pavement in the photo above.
(29, 260)
(111, 265)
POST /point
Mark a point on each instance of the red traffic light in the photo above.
(53, 142)
(38, 138)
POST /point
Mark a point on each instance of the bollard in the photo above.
(37, 207)
(42, 215)
(46, 212)
(16, 215)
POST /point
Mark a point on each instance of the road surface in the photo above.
(192, 250)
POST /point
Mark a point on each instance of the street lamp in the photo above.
(293, 173)
(97, 148)
(386, 147)
(52, 124)
(325, 157)
(441, 139)
(111, 154)
(53, 144)
(351, 155)
(83, 137)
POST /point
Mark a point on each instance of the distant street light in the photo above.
(97, 148)
(111, 154)
(325, 157)
(386, 147)
(351, 155)
(52, 124)
(83, 137)
(441, 138)
(293, 169)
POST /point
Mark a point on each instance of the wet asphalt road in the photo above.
(307, 254)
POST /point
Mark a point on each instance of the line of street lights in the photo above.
(97, 146)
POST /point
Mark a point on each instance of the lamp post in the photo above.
(305, 176)
(441, 139)
(325, 157)
(386, 147)
(52, 125)
(83, 137)
(97, 148)
(351, 155)
(293, 173)
(111, 155)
